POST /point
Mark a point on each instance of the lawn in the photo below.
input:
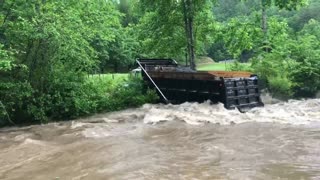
(223, 66)
(214, 67)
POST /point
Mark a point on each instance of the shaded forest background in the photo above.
(48, 48)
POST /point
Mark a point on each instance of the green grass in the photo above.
(224, 67)
(214, 67)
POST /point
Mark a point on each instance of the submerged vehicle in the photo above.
(176, 84)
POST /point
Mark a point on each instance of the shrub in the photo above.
(281, 87)
(237, 66)
(132, 93)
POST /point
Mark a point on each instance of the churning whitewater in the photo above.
(292, 112)
(187, 141)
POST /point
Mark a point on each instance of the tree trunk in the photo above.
(185, 16)
(188, 20)
(192, 56)
(264, 27)
(116, 67)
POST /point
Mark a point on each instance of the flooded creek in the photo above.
(187, 141)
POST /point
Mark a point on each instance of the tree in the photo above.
(54, 43)
(175, 22)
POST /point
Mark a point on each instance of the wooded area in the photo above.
(48, 48)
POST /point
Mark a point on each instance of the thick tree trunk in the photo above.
(188, 19)
(185, 16)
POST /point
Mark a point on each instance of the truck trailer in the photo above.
(178, 84)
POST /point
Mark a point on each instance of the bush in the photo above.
(14, 97)
(273, 70)
(306, 76)
(131, 93)
(280, 87)
(237, 66)
(15, 91)
(306, 72)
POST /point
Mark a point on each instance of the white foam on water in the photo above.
(294, 112)
(191, 113)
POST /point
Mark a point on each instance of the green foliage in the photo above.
(227, 9)
(121, 52)
(240, 34)
(5, 60)
(288, 4)
(292, 68)
(312, 28)
(14, 97)
(280, 87)
(162, 32)
(298, 19)
(15, 93)
(306, 72)
(13, 90)
(131, 93)
(274, 69)
(55, 44)
(169, 28)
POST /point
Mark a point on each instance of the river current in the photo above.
(187, 141)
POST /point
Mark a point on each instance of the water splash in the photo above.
(292, 112)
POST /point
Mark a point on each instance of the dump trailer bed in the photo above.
(176, 84)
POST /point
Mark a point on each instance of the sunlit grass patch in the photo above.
(223, 66)
(214, 67)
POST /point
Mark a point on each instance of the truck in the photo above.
(178, 84)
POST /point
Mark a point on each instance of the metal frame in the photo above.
(155, 85)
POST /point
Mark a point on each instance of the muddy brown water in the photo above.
(187, 141)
